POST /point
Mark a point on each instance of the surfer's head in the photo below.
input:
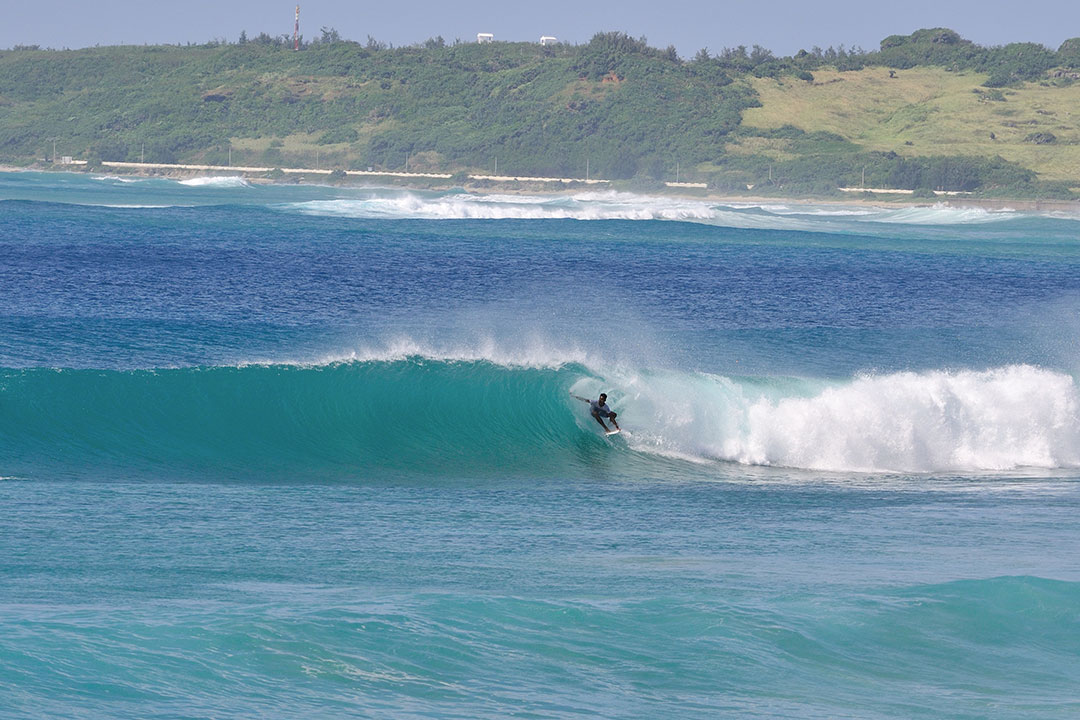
(603, 397)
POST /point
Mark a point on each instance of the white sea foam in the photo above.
(581, 206)
(225, 181)
(940, 214)
(1000, 419)
(817, 211)
(536, 353)
(116, 179)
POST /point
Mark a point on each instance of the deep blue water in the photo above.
(287, 451)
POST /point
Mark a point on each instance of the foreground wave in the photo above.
(449, 416)
(808, 655)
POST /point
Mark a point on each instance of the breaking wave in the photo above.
(613, 205)
(994, 420)
(940, 214)
(121, 179)
(474, 412)
(464, 206)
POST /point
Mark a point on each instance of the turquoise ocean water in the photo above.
(297, 451)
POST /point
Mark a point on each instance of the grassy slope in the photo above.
(938, 112)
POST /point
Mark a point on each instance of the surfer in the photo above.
(599, 410)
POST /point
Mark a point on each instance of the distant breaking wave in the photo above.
(123, 180)
(462, 206)
(612, 205)
(398, 204)
(941, 215)
(463, 413)
(229, 181)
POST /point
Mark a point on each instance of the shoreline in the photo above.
(520, 186)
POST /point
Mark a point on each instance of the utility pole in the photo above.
(863, 176)
(406, 162)
(586, 169)
(142, 155)
(296, 30)
(676, 171)
(496, 164)
(54, 152)
(230, 155)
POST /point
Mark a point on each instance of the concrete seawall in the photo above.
(314, 171)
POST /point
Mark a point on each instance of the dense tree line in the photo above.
(1007, 64)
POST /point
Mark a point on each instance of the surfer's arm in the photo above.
(578, 397)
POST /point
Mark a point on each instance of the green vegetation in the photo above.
(925, 111)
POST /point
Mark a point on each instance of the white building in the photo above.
(548, 40)
(484, 38)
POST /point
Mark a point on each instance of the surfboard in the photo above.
(616, 431)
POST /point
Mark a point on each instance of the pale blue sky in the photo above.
(781, 25)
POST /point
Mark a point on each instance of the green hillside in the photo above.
(805, 124)
(538, 110)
